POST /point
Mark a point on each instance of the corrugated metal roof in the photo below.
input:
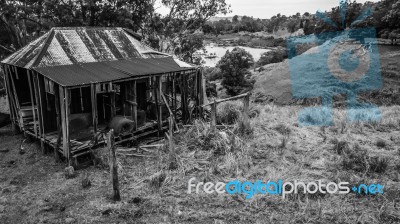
(97, 72)
(66, 46)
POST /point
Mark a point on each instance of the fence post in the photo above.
(246, 103)
(213, 116)
(171, 133)
(113, 165)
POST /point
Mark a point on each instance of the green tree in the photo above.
(188, 45)
(393, 15)
(21, 21)
(234, 66)
(183, 18)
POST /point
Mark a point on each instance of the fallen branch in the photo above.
(228, 99)
(139, 155)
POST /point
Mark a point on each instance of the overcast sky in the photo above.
(266, 8)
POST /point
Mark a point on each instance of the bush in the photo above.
(201, 137)
(234, 66)
(229, 112)
(274, 56)
(358, 160)
(378, 164)
(211, 89)
(381, 143)
(212, 73)
(243, 127)
(355, 159)
(340, 146)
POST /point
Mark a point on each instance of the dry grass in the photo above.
(154, 190)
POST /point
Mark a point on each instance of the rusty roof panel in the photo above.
(65, 46)
(98, 72)
(27, 53)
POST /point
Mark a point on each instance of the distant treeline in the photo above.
(385, 17)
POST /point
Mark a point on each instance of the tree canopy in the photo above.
(21, 21)
(234, 66)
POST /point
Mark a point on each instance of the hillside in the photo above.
(216, 18)
(275, 81)
(34, 189)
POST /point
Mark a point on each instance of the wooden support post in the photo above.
(201, 95)
(159, 87)
(67, 113)
(123, 95)
(35, 122)
(59, 126)
(16, 102)
(10, 101)
(93, 94)
(171, 134)
(183, 98)
(134, 114)
(213, 116)
(113, 165)
(36, 86)
(63, 121)
(174, 101)
(170, 111)
(205, 99)
(156, 101)
(113, 110)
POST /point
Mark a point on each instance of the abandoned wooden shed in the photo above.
(71, 84)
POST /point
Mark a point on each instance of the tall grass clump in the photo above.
(201, 137)
(355, 159)
(243, 127)
(316, 116)
(359, 160)
(229, 112)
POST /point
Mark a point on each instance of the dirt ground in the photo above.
(33, 188)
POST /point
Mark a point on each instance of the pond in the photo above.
(220, 52)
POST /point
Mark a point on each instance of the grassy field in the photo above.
(275, 81)
(154, 190)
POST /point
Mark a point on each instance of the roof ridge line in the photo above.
(44, 48)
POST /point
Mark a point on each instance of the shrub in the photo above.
(358, 160)
(212, 73)
(242, 128)
(229, 112)
(283, 129)
(355, 159)
(200, 136)
(233, 66)
(378, 164)
(211, 89)
(340, 147)
(315, 116)
(274, 56)
(381, 143)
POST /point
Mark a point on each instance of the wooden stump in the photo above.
(213, 116)
(246, 104)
